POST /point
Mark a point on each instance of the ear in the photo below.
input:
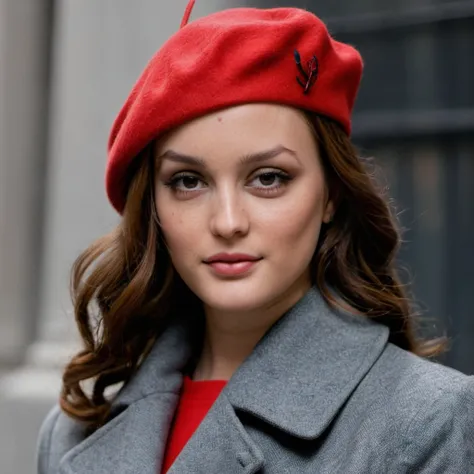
(329, 212)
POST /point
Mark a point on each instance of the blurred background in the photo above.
(66, 66)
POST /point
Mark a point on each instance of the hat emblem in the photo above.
(310, 76)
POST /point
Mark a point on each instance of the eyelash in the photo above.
(284, 178)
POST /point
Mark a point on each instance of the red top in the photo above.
(196, 399)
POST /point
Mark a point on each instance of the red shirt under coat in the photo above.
(196, 399)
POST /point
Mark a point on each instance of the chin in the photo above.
(236, 296)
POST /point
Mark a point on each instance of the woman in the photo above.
(246, 316)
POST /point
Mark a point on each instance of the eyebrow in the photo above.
(246, 159)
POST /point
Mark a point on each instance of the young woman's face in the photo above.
(241, 195)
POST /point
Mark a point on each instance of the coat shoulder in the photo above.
(437, 405)
(400, 387)
(58, 434)
(415, 375)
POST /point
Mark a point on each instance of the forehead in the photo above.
(239, 130)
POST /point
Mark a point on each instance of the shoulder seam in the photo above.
(439, 396)
(407, 437)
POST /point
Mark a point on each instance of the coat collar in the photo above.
(306, 367)
(134, 439)
(297, 378)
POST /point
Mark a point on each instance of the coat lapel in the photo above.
(220, 445)
(133, 441)
(306, 367)
(297, 379)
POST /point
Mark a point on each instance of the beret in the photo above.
(232, 57)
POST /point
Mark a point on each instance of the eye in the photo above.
(267, 179)
(189, 182)
(270, 180)
(185, 182)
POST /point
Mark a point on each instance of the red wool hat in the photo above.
(236, 56)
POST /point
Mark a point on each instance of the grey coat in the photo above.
(323, 392)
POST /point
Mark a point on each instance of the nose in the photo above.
(229, 217)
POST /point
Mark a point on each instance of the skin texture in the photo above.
(227, 203)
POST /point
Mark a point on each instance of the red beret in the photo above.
(236, 56)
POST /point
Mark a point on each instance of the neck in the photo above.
(230, 337)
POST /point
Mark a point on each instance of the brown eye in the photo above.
(189, 182)
(267, 179)
(186, 183)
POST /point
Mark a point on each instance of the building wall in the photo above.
(66, 67)
(24, 61)
(415, 116)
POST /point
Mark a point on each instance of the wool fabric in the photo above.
(228, 58)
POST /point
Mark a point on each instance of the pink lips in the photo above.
(232, 264)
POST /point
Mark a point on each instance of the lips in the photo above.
(232, 265)
(231, 258)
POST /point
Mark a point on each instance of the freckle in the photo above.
(219, 119)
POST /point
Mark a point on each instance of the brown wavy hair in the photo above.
(125, 290)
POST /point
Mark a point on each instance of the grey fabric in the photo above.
(323, 392)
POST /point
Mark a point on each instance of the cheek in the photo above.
(170, 220)
(294, 223)
(179, 228)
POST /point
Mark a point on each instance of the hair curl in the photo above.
(124, 288)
